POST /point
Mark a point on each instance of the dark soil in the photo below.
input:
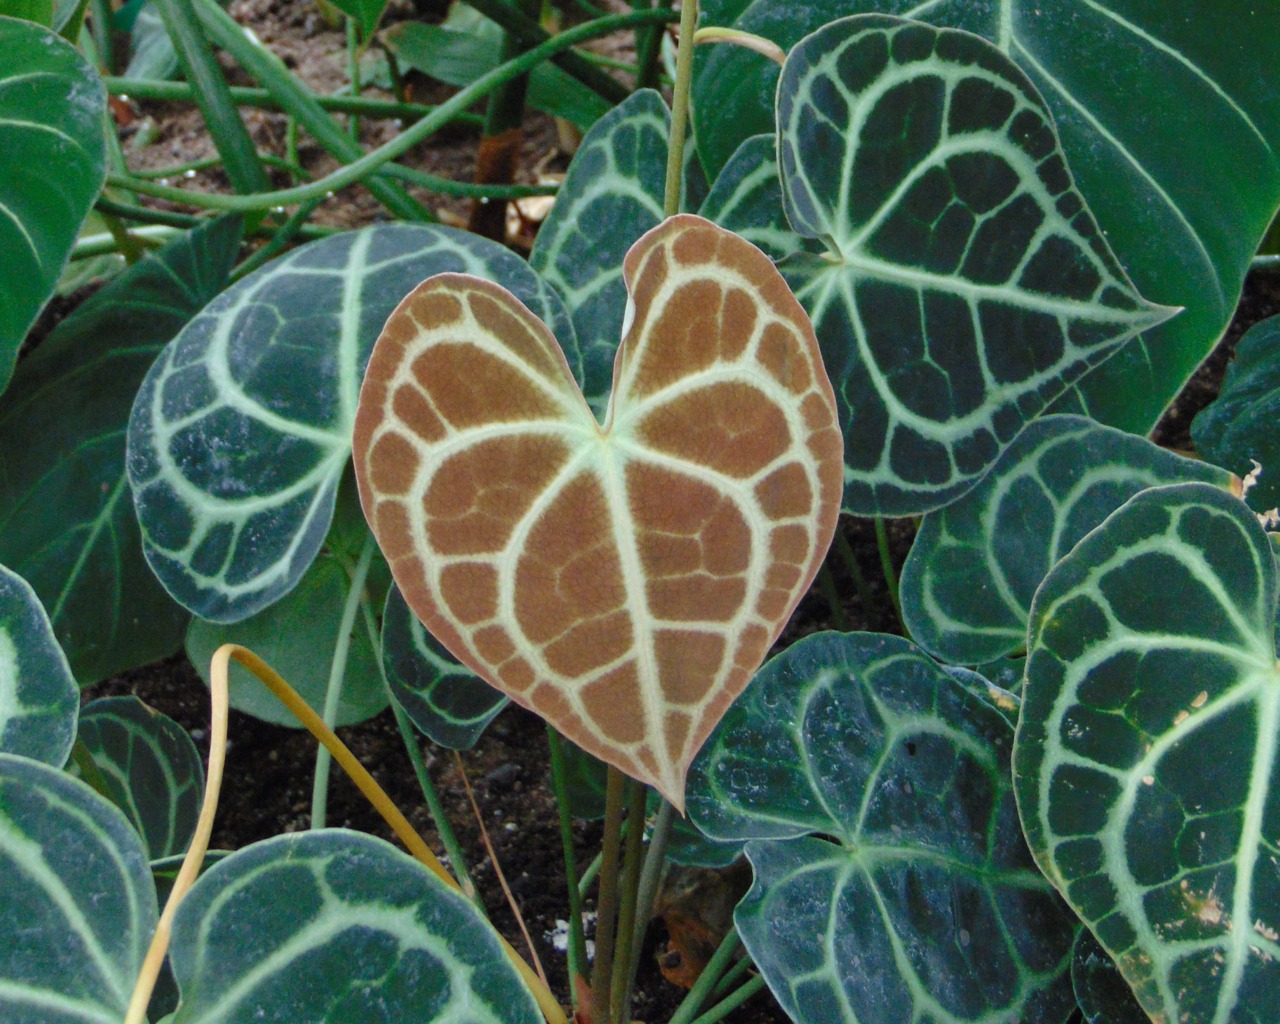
(268, 784)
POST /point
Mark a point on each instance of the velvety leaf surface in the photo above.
(965, 284)
(968, 582)
(1146, 761)
(746, 198)
(892, 882)
(1184, 194)
(1100, 989)
(242, 429)
(38, 696)
(1239, 427)
(447, 702)
(622, 581)
(77, 907)
(66, 517)
(151, 768)
(612, 194)
(51, 108)
(332, 927)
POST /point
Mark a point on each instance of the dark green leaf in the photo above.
(66, 519)
(334, 927)
(974, 567)
(1146, 761)
(52, 153)
(151, 768)
(367, 13)
(77, 907)
(1239, 427)
(242, 429)
(611, 196)
(747, 199)
(965, 284)
(1168, 114)
(1101, 991)
(464, 48)
(446, 701)
(38, 696)
(892, 882)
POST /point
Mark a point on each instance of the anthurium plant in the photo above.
(935, 260)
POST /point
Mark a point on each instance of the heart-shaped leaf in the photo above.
(151, 768)
(966, 284)
(1239, 427)
(622, 581)
(1146, 765)
(612, 194)
(447, 702)
(1168, 114)
(333, 927)
(892, 881)
(77, 907)
(66, 518)
(242, 429)
(38, 696)
(52, 164)
(968, 582)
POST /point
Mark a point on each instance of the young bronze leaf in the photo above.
(625, 580)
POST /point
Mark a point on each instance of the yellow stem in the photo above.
(374, 793)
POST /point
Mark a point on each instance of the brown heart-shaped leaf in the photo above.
(622, 581)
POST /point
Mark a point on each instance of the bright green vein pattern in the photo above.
(1145, 763)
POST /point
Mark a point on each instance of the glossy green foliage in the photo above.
(611, 196)
(1101, 992)
(38, 696)
(964, 284)
(51, 108)
(446, 701)
(1146, 761)
(968, 582)
(77, 907)
(1184, 197)
(332, 927)
(242, 429)
(66, 516)
(467, 45)
(150, 768)
(1239, 427)
(892, 882)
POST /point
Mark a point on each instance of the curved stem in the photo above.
(337, 674)
(402, 143)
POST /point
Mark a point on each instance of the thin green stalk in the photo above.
(607, 899)
(337, 673)
(297, 100)
(180, 92)
(850, 561)
(530, 34)
(655, 860)
(152, 236)
(886, 566)
(212, 96)
(435, 807)
(358, 169)
(680, 108)
(629, 891)
(1267, 261)
(730, 1003)
(100, 28)
(398, 89)
(275, 245)
(129, 247)
(706, 981)
(648, 48)
(589, 875)
(831, 594)
(731, 976)
(194, 166)
(353, 74)
(291, 145)
(577, 941)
